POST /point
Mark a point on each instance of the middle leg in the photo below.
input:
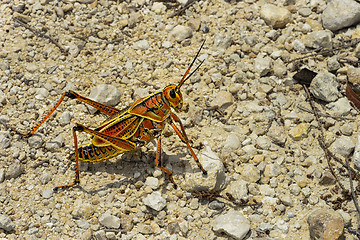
(159, 162)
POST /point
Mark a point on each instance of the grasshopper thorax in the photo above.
(173, 95)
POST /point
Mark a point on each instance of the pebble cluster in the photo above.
(268, 177)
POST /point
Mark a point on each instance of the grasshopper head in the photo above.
(172, 92)
(173, 95)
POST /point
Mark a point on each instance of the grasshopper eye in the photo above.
(172, 93)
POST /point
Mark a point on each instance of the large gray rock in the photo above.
(340, 14)
(215, 179)
(233, 223)
(325, 87)
(6, 223)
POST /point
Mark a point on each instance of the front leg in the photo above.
(183, 137)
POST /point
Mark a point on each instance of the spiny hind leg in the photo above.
(159, 162)
(108, 110)
(118, 143)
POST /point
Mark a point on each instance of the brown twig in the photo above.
(357, 175)
(181, 10)
(40, 34)
(324, 114)
(321, 137)
(352, 43)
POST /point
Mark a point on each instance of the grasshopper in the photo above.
(128, 128)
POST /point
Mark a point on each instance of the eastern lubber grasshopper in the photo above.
(128, 128)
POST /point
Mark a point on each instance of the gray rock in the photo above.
(343, 145)
(305, 12)
(356, 157)
(262, 65)
(55, 144)
(158, 8)
(327, 179)
(3, 101)
(155, 201)
(239, 190)
(333, 64)
(341, 107)
(173, 228)
(109, 221)
(141, 45)
(35, 141)
(325, 87)
(263, 227)
(233, 223)
(279, 67)
(223, 41)
(216, 205)
(215, 179)
(5, 139)
(83, 224)
(232, 143)
(277, 134)
(45, 178)
(152, 182)
(324, 223)
(266, 190)
(42, 93)
(194, 204)
(65, 118)
(106, 94)
(294, 189)
(33, 230)
(263, 142)
(100, 235)
(47, 193)
(318, 39)
(275, 16)
(2, 175)
(282, 226)
(339, 14)
(180, 33)
(31, 67)
(250, 173)
(14, 170)
(166, 44)
(6, 223)
(74, 49)
(298, 45)
(272, 34)
(223, 99)
(82, 210)
(59, 12)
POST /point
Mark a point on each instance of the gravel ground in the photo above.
(268, 177)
